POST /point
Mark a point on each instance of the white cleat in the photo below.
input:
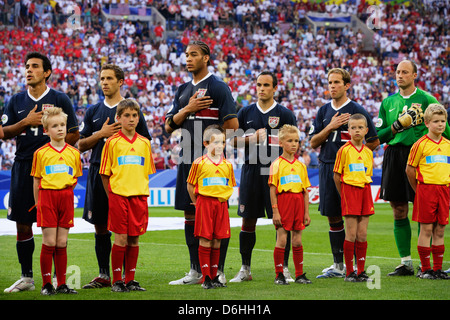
(23, 284)
(222, 278)
(243, 275)
(287, 275)
(193, 277)
(332, 272)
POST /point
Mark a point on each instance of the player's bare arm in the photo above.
(195, 104)
(337, 181)
(33, 119)
(307, 218)
(191, 188)
(105, 181)
(336, 121)
(106, 131)
(276, 218)
(36, 183)
(411, 174)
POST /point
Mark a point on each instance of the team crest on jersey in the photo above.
(46, 106)
(274, 121)
(201, 93)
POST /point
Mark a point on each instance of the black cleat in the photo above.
(428, 274)
(48, 289)
(441, 275)
(134, 286)
(363, 277)
(217, 284)
(402, 270)
(207, 284)
(302, 279)
(281, 279)
(352, 277)
(65, 289)
(119, 286)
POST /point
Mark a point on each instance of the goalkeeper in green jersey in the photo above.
(400, 125)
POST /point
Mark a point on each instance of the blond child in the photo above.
(288, 182)
(126, 164)
(56, 167)
(210, 184)
(352, 175)
(428, 171)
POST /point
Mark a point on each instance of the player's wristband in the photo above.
(275, 206)
(172, 124)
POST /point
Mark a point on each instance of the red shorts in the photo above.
(356, 201)
(211, 218)
(55, 208)
(292, 210)
(127, 215)
(431, 204)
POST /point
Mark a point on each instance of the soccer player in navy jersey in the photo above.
(204, 101)
(330, 132)
(22, 120)
(259, 123)
(98, 125)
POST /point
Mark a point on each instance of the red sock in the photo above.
(204, 257)
(349, 248)
(438, 256)
(215, 256)
(297, 254)
(278, 258)
(361, 252)
(117, 256)
(46, 260)
(61, 265)
(424, 255)
(131, 258)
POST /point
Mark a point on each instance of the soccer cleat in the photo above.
(119, 286)
(48, 289)
(447, 271)
(222, 278)
(23, 284)
(302, 279)
(193, 277)
(134, 286)
(98, 282)
(217, 283)
(287, 274)
(428, 274)
(243, 275)
(207, 284)
(363, 277)
(352, 277)
(280, 279)
(441, 275)
(402, 270)
(332, 272)
(65, 289)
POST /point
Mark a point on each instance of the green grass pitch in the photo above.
(164, 257)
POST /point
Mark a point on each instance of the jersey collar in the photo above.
(106, 104)
(42, 95)
(407, 97)
(345, 103)
(206, 77)
(268, 110)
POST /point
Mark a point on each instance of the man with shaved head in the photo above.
(400, 125)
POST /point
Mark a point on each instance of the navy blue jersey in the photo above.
(93, 121)
(32, 138)
(252, 118)
(339, 137)
(222, 109)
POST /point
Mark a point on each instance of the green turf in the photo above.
(163, 257)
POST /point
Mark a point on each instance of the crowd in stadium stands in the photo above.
(245, 38)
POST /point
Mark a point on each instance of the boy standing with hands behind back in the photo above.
(428, 172)
(352, 176)
(288, 181)
(126, 164)
(210, 184)
(55, 168)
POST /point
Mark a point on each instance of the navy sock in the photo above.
(103, 252)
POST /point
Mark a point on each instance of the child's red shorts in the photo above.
(292, 210)
(55, 208)
(356, 201)
(127, 215)
(431, 204)
(212, 220)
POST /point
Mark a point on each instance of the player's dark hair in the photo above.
(46, 64)
(203, 47)
(268, 73)
(118, 72)
(127, 104)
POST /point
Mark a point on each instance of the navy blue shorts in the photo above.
(96, 201)
(182, 199)
(330, 200)
(254, 193)
(21, 197)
